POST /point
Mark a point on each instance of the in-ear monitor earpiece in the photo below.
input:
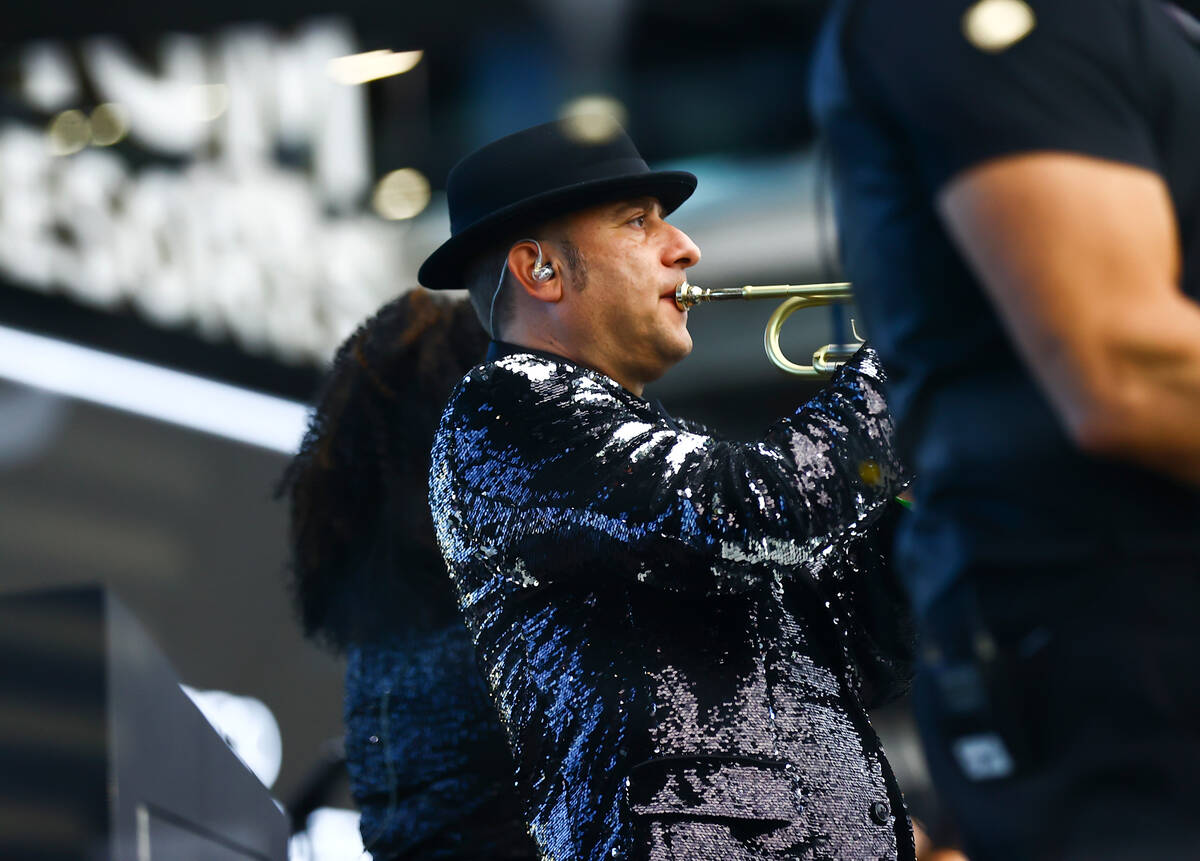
(542, 271)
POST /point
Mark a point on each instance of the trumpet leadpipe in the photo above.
(796, 296)
(688, 295)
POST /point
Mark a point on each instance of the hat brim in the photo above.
(444, 269)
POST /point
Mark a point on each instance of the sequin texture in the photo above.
(426, 757)
(680, 632)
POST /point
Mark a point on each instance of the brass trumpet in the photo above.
(825, 360)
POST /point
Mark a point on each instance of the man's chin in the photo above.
(678, 350)
(685, 345)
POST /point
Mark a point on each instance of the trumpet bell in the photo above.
(827, 359)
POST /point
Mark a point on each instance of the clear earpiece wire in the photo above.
(500, 283)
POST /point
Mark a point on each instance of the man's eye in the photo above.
(638, 221)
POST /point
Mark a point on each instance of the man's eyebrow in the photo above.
(638, 203)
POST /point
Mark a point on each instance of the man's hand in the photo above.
(1081, 258)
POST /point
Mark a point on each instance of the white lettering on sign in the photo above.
(283, 259)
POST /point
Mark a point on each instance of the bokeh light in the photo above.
(110, 124)
(996, 25)
(593, 118)
(69, 132)
(372, 65)
(401, 194)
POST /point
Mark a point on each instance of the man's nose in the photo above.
(681, 251)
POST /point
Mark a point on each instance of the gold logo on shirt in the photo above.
(993, 26)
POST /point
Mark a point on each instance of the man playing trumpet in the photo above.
(681, 633)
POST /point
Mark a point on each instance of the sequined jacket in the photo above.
(680, 632)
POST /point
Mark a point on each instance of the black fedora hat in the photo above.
(533, 176)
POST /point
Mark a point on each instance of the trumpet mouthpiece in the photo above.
(687, 295)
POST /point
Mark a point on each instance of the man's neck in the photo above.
(499, 349)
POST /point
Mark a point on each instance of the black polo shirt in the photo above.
(908, 96)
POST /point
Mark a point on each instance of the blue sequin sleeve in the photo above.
(535, 452)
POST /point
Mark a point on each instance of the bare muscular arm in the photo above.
(1081, 258)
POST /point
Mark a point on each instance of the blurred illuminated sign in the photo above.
(243, 214)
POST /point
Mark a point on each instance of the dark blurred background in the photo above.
(225, 189)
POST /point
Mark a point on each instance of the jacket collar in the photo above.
(498, 350)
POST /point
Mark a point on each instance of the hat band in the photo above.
(612, 169)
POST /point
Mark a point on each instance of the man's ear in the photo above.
(522, 260)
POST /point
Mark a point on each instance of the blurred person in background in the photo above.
(1018, 193)
(429, 765)
(682, 633)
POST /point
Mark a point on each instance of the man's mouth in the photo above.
(672, 293)
(669, 298)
